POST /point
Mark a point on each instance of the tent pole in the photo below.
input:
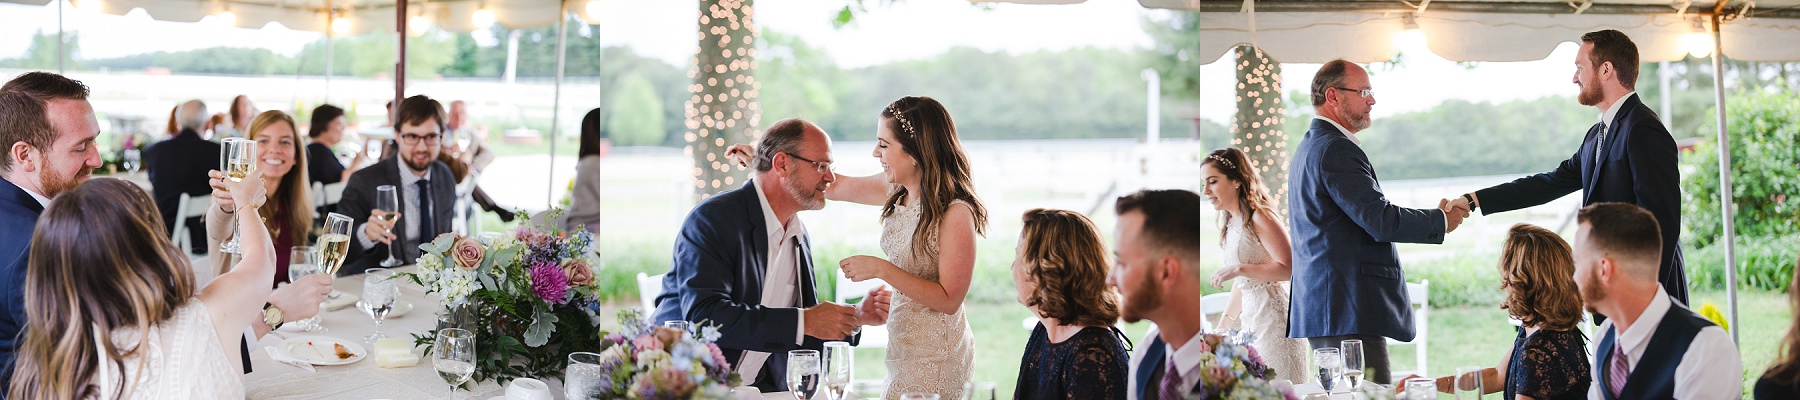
(562, 47)
(61, 44)
(1731, 265)
(400, 61)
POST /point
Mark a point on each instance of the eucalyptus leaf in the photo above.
(542, 324)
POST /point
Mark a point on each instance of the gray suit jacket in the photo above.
(1347, 278)
(359, 200)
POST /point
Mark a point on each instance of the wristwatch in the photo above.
(272, 316)
(1471, 199)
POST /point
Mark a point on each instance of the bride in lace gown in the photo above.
(1257, 259)
(930, 218)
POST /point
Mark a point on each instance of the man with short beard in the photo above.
(1347, 281)
(1650, 347)
(425, 187)
(47, 129)
(1157, 247)
(743, 262)
(1628, 156)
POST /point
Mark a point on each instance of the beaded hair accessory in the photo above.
(905, 127)
(1222, 160)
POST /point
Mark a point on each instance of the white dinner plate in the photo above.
(400, 308)
(320, 350)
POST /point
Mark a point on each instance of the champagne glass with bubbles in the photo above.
(387, 202)
(1353, 363)
(840, 367)
(237, 157)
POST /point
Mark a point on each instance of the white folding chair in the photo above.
(1214, 304)
(648, 288)
(332, 193)
(188, 207)
(464, 214)
(318, 198)
(1421, 303)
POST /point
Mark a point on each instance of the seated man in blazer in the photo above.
(426, 190)
(1157, 243)
(743, 262)
(179, 165)
(1651, 346)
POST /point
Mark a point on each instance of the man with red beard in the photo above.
(1651, 347)
(1628, 156)
(47, 129)
(425, 187)
(1157, 248)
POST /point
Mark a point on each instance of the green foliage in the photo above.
(372, 54)
(637, 114)
(211, 60)
(42, 54)
(1767, 263)
(1466, 280)
(1765, 171)
(1175, 53)
(1457, 138)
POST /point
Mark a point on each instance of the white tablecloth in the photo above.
(360, 380)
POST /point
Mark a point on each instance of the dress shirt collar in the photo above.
(778, 230)
(1341, 129)
(1606, 117)
(1634, 339)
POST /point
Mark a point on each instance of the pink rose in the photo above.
(467, 252)
(578, 271)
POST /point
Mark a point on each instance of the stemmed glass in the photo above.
(584, 378)
(134, 159)
(683, 326)
(979, 391)
(803, 373)
(454, 356)
(840, 367)
(1468, 383)
(380, 292)
(1330, 364)
(301, 264)
(237, 157)
(1353, 363)
(1421, 389)
(387, 205)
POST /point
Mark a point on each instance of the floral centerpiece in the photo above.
(529, 295)
(643, 361)
(1232, 369)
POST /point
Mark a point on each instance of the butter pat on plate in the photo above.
(395, 353)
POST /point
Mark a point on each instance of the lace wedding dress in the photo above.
(929, 351)
(180, 358)
(1264, 308)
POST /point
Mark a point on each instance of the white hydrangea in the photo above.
(454, 286)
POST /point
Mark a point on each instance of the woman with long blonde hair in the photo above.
(114, 311)
(1257, 260)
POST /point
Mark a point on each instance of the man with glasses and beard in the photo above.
(743, 261)
(426, 190)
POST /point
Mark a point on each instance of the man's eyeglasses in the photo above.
(822, 167)
(412, 139)
(1366, 93)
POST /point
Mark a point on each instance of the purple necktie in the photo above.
(1616, 373)
(1171, 383)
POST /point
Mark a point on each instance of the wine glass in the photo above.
(683, 326)
(1353, 362)
(380, 292)
(979, 391)
(237, 157)
(584, 379)
(387, 205)
(134, 159)
(1468, 383)
(454, 356)
(1421, 389)
(803, 373)
(840, 367)
(1330, 364)
(301, 263)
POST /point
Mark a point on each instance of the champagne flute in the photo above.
(1330, 364)
(584, 378)
(1353, 362)
(300, 265)
(387, 201)
(840, 367)
(380, 292)
(237, 157)
(454, 356)
(803, 373)
(333, 245)
(1468, 383)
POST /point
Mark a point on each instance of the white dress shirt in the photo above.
(1710, 369)
(1606, 122)
(409, 199)
(781, 279)
(1189, 354)
(42, 201)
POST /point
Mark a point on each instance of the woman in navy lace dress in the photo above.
(1060, 270)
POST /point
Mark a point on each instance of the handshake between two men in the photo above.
(1455, 211)
(832, 321)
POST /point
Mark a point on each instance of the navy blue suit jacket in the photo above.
(177, 166)
(1641, 168)
(721, 256)
(359, 200)
(18, 219)
(1347, 278)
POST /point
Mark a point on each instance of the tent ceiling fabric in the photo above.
(364, 17)
(1367, 36)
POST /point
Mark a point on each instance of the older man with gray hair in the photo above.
(179, 165)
